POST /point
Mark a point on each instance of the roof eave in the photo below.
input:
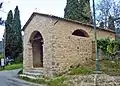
(68, 20)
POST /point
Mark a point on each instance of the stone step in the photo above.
(29, 76)
(34, 73)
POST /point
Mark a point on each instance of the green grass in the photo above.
(39, 81)
(106, 66)
(80, 71)
(56, 81)
(12, 67)
(110, 67)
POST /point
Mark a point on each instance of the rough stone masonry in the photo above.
(52, 44)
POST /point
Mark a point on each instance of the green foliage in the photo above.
(8, 35)
(117, 44)
(71, 10)
(84, 6)
(108, 47)
(57, 81)
(111, 48)
(40, 81)
(80, 71)
(102, 44)
(110, 67)
(19, 58)
(106, 66)
(17, 35)
(12, 35)
(78, 10)
(12, 67)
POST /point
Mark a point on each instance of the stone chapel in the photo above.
(53, 44)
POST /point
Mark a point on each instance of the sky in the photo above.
(27, 7)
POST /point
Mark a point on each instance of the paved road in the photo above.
(8, 78)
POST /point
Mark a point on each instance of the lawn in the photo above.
(106, 66)
(12, 66)
(110, 67)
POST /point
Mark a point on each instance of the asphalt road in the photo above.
(9, 78)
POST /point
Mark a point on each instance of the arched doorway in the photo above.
(36, 41)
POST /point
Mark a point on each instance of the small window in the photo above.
(81, 33)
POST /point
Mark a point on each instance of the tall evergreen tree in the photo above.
(17, 35)
(78, 10)
(84, 5)
(8, 35)
(71, 10)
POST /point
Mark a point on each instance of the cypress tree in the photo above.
(71, 10)
(17, 35)
(78, 10)
(8, 35)
(86, 11)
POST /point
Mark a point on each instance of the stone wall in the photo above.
(71, 51)
(61, 49)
